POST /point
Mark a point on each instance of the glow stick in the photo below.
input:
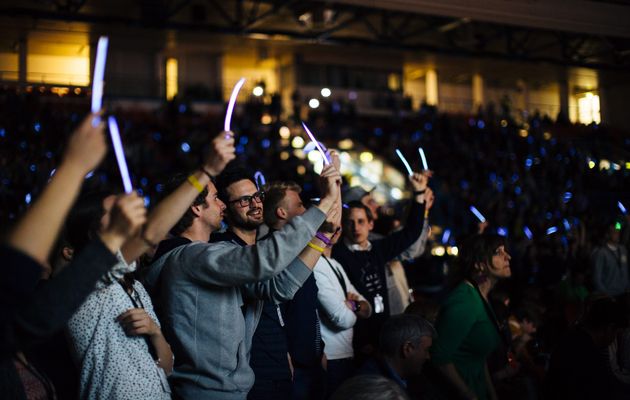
(230, 109)
(260, 179)
(97, 80)
(120, 154)
(321, 151)
(404, 160)
(622, 208)
(528, 233)
(479, 216)
(551, 230)
(424, 159)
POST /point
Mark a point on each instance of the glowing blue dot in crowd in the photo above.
(89, 175)
(492, 177)
(336, 107)
(548, 215)
(345, 205)
(551, 230)
(378, 132)
(243, 140)
(157, 136)
(518, 191)
(3, 132)
(265, 143)
(33, 167)
(185, 147)
(502, 231)
(543, 151)
(140, 192)
(446, 235)
(416, 136)
(464, 184)
(159, 188)
(49, 154)
(27, 198)
(500, 185)
(553, 141)
(182, 108)
(144, 181)
(428, 126)
(567, 225)
(37, 126)
(514, 178)
(530, 139)
(147, 201)
(240, 149)
(528, 232)
(565, 241)
(481, 124)
(528, 163)
(567, 196)
(52, 172)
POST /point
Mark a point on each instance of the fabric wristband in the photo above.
(417, 192)
(205, 171)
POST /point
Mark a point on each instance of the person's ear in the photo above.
(407, 349)
(281, 213)
(196, 210)
(67, 253)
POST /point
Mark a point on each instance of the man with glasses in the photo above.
(208, 292)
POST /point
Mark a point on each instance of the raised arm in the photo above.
(166, 214)
(36, 233)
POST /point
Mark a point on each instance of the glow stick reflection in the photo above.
(230, 109)
(424, 159)
(479, 216)
(321, 151)
(404, 160)
(97, 80)
(120, 154)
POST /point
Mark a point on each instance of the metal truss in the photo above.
(342, 24)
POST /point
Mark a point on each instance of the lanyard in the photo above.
(137, 303)
(339, 276)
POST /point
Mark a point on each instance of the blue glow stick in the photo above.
(424, 159)
(97, 80)
(528, 233)
(404, 160)
(321, 151)
(260, 179)
(120, 154)
(622, 208)
(551, 230)
(446, 236)
(479, 216)
(232, 102)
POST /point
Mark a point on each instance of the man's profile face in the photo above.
(292, 204)
(249, 216)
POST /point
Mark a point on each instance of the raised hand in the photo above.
(137, 321)
(221, 153)
(87, 146)
(331, 185)
(429, 198)
(419, 181)
(126, 218)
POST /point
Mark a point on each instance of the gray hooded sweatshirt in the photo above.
(200, 288)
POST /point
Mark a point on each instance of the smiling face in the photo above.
(250, 216)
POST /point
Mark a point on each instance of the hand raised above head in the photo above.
(87, 145)
(222, 151)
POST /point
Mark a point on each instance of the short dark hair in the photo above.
(357, 204)
(369, 387)
(400, 329)
(187, 219)
(274, 194)
(476, 249)
(231, 174)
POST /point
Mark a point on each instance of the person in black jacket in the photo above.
(364, 261)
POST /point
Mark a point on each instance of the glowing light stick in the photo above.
(404, 160)
(260, 179)
(97, 80)
(528, 233)
(551, 230)
(120, 154)
(479, 216)
(424, 159)
(319, 148)
(622, 208)
(230, 109)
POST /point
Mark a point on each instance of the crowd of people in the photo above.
(207, 283)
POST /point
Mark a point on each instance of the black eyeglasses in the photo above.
(245, 201)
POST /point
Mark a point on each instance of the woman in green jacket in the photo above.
(467, 327)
